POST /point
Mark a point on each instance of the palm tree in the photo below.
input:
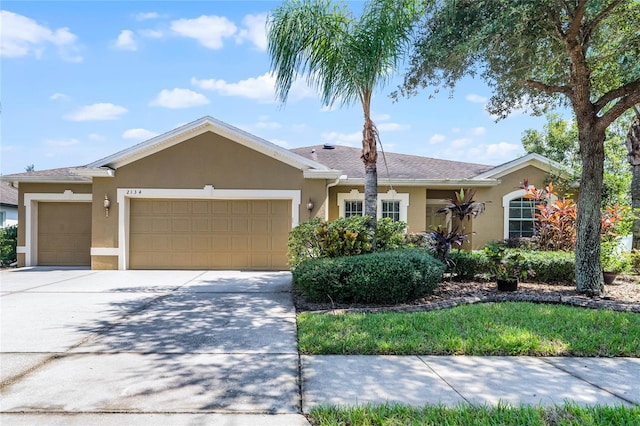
(343, 58)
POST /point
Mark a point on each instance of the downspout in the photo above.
(331, 185)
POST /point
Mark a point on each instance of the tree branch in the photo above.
(628, 101)
(576, 20)
(627, 89)
(599, 17)
(549, 88)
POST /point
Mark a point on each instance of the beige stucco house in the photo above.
(208, 195)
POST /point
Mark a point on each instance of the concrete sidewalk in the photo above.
(451, 380)
(81, 347)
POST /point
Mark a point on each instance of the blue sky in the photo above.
(82, 80)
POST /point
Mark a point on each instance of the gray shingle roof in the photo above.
(8, 195)
(66, 174)
(401, 166)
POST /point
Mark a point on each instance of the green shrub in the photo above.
(467, 264)
(550, 266)
(547, 266)
(390, 234)
(341, 237)
(386, 277)
(8, 243)
(634, 258)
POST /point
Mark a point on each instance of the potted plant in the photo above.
(506, 266)
(612, 260)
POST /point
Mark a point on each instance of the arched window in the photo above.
(519, 215)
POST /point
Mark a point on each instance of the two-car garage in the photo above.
(209, 234)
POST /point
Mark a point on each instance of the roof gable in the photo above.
(509, 167)
(198, 127)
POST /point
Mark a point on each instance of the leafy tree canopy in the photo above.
(523, 50)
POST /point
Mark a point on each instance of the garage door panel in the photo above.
(64, 234)
(209, 234)
(181, 225)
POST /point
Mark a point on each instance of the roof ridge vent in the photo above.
(328, 146)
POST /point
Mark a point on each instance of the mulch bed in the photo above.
(622, 295)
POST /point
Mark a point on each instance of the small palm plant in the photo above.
(461, 207)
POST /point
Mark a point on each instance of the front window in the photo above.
(521, 218)
(391, 209)
(352, 208)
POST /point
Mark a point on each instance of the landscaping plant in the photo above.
(8, 243)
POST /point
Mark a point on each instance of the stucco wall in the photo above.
(490, 225)
(416, 211)
(207, 159)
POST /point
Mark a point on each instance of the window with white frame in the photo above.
(390, 204)
(519, 215)
(391, 209)
(353, 208)
(521, 218)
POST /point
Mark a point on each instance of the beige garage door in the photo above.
(209, 234)
(64, 234)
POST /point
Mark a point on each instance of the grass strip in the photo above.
(398, 414)
(507, 328)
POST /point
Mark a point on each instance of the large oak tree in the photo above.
(536, 53)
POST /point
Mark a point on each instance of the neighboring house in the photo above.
(210, 196)
(8, 205)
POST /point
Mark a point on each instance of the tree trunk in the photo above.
(633, 155)
(589, 221)
(370, 158)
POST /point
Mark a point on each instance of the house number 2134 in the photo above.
(134, 191)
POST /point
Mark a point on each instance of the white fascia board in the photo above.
(532, 159)
(440, 183)
(198, 127)
(96, 172)
(322, 174)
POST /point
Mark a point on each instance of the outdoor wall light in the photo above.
(107, 204)
(310, 205)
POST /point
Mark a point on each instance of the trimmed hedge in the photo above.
(388, 277)
(548, 266)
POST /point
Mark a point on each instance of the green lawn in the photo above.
(508, 328)
(392, 414)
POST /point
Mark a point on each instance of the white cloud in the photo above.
(209, 31)
(59, 97)
(261, 88)
(126, 41)
(476, 99)
(494, 153)
(144, 16)
(97, 112)
(179, 98)
(268, 125)
(338, 138)
(22, 36)
(138, 134)
(437, 138)
(392, 127)
(254, 30)
(326, 108)
(61, 142)
(381, 117)
(97, 137)
(151, 33)
(455, 130)
(478, 131)
(460, 143)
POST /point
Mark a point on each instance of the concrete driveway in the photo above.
(148, 342)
